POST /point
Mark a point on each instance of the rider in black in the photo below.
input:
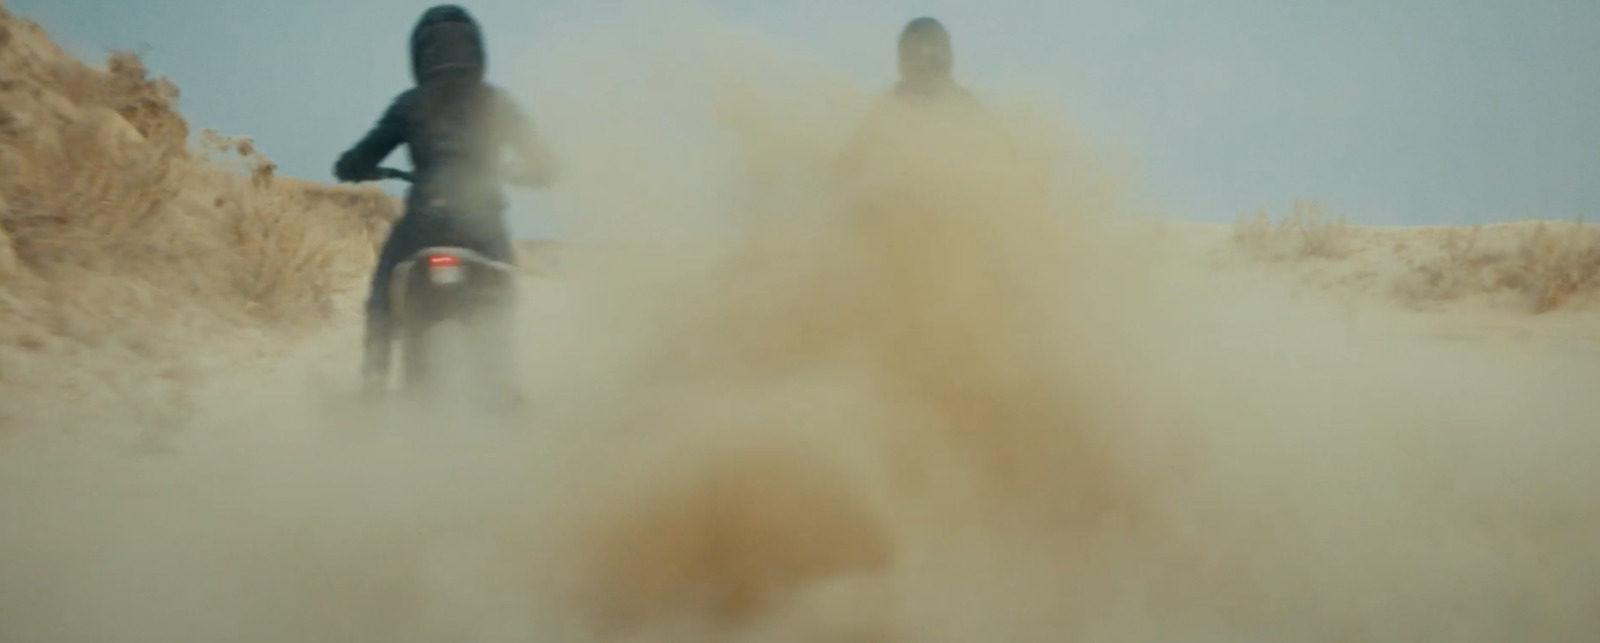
(927, 64)
(927, 79)
(454, 125)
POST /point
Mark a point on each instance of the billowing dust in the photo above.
(949, 392)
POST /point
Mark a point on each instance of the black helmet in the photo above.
(925, 49)
(447, 42)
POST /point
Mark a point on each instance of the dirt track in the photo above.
(1381, 475)
(978, 405)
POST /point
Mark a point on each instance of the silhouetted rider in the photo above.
(927, 83)
(927, 65)
(455, 127)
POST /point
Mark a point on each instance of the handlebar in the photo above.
(391, 173)
(513, 177)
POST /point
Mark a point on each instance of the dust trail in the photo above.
(949, 399)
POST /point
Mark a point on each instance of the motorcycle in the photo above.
(439, 296)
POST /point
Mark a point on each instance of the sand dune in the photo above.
(964, 398)
(121, 244)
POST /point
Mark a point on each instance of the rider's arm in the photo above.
(360, 162)
(541, 167)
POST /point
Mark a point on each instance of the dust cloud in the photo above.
(952, 393)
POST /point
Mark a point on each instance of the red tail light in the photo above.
(439, 261)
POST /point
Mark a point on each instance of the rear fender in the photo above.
(401, 281)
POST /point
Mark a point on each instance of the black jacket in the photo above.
(455, 153)
(454, 125)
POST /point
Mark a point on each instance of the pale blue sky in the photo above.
(1396, 112)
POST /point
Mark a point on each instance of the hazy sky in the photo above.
(1394, 111)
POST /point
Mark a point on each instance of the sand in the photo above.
(969, 398)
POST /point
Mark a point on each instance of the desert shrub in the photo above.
(1546, 264)
(1556, 261)
(1306, 232)
(101, 193)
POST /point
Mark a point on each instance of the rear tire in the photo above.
(444, 332)
(416, 357)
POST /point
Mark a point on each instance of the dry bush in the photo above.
(286, 264)
(1307, 231)
(89, 202)
(292, 249)
(146, 103)
(120, 245)
(1552, 267)
(1547, 264)
(99, 184)
(1463, 266)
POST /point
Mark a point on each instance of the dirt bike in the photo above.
(443, 294)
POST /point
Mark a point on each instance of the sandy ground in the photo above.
(937, 389)
(1332, 470)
